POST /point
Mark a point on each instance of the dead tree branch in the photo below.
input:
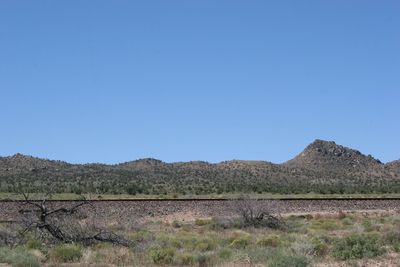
(65, 224)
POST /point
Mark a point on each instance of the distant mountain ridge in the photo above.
(322, 166)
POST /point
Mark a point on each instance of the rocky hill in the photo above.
(330, 157)
(323, 167)
(393, 167)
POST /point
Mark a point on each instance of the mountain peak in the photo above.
(146, 163)
(20, 156)
(324, 155)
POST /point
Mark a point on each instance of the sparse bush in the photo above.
(308, 217)
(225, 253)
(203, 260)
(66, 253)
(259, 254)
(186, 259)
(162, 255)
(368, 225)
(4, 254)
(205, 245)
(176, 224)
(240, 242)
(286, 260)
(393, 238)
(140, 236)
(18, 258)
(325, 224)
(347, 221)
(256, 213)
(320, 247)
(220, 224)
(202, 222)
(302, 246)
(7, 239)
(109, 254)
(270, 241)
(24, 260)
(341, 215)
(357, 246)
(33, 244)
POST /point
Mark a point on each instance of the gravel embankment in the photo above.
(121, 212)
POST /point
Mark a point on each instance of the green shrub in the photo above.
(325, 224)
(140, 236)
(341, 215)
(285, 260)
(357, 246)
(219, 224)
(203, 260)
(308, 217)
(368, 226)
(176, 224)
(327, 239)
(393, 238)
(205, 245)
(320, 247)
(270, 241)
(225, 254)
(240, 242)
(66, 253)
(4, 254)
(18, 258)
(24, 260)
(202, 222)
(186, 259)
(162, 255)
(34, 244)
(347, 221)
(259, 254)
(176, 243)
(186, 228)
(187, 241)
(302, 246)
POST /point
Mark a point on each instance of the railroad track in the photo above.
(210, 199)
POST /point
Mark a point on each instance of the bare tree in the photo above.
(64, 223)
(258, 213)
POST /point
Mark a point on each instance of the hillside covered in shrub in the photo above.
(323, 167)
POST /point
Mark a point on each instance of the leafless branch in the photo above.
(64, 223)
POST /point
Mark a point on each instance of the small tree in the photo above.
(132, 189)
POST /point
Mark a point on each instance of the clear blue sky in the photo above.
(112, 81)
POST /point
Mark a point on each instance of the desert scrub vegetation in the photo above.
(306, 241)
(154, 177)
(19, 257)
(358, 246)
(65, 253)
